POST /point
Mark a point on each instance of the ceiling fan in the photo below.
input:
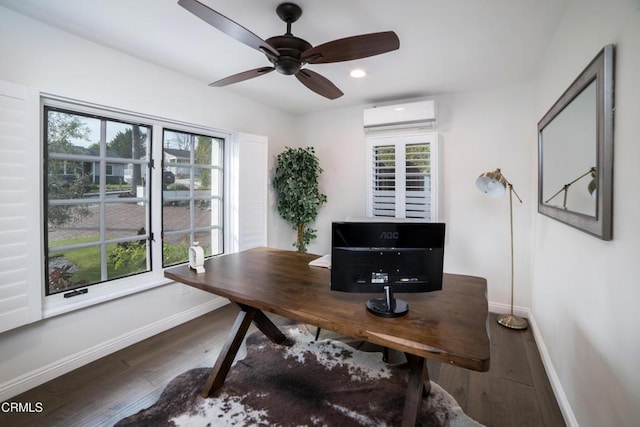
(289, 54)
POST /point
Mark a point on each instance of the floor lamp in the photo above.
(495, 184)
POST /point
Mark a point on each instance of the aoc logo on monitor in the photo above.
(389, 235)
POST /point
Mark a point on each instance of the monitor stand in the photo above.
(387, 306)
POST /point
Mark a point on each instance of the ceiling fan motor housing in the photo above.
(290, 49)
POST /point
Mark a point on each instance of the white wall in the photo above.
(480, 131)
(586, 291)
(36, 55)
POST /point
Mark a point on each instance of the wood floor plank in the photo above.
(480, 397)
(510, 354)
(455, 381)
(522, 405)
(549, 408)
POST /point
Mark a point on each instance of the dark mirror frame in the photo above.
(601, 69)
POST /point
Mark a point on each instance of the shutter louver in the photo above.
(418, 181)
(384, 181)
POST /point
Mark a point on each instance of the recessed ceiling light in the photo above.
(358, 73)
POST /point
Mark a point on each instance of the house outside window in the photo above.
(402, 176)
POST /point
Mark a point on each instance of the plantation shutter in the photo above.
(401, 179)
(252, 191)
(20, 293)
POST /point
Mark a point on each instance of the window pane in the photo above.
(66, 179)
(210, 241)
(192, 203)
(127, 258)
(72, 224)
(71, 133)
(175, 248)
(126, 142)
(73, 268)
(175, 216)
(90, 202)
(125, 219)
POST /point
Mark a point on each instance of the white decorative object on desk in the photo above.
(196, 258)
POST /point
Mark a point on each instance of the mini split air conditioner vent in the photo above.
(412, 115)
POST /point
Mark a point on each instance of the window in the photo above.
(192, 209)
(61, 204)
(103, 169)
(402, 176)
(97, 230)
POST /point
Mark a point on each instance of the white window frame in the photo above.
(400, 140)
(56, 304)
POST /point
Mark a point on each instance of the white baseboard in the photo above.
(495, 307)
(561, 397)
(60, 367)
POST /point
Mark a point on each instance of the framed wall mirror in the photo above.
(575, 151)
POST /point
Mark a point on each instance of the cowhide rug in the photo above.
(311, 383)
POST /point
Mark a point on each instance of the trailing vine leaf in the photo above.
(295, 181)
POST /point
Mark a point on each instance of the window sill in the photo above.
(57, 304)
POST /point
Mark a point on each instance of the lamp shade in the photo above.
(492, 183)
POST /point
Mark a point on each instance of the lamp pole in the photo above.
(510, 320)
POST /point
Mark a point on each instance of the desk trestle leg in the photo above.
(419, 386)
(234, 340)
(270, 330)
(229, 350)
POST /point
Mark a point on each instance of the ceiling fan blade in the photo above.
(319, 84)
(228, 26)
(354, 47)
(245, 75)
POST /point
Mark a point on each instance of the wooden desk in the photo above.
(448, 325)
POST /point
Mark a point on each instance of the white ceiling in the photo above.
(445, 45)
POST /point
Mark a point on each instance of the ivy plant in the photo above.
(295, 181)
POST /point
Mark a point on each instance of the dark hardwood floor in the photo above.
(515, 391)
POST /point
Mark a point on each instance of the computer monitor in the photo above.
(387, 256)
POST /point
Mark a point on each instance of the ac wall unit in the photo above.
(421, 114)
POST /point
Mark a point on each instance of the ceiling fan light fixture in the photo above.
(358, 73)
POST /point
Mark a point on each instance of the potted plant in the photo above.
(295, 181)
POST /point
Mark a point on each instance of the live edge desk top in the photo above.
(448, 325)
